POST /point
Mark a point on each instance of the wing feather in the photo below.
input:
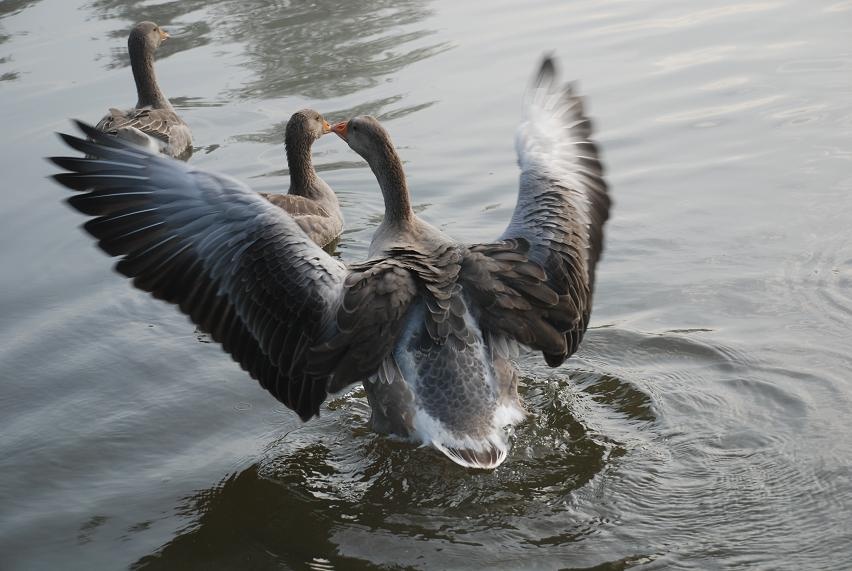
(238, 266)
(557, 226)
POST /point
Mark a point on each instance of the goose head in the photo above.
(146, 35)
(364, 135)
(307, 125)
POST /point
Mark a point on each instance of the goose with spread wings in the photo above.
(428, 324)
(153, 122)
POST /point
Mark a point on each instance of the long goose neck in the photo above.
(387, 167)
(299, 162)
(142, 63)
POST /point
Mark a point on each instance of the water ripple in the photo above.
(822, 279)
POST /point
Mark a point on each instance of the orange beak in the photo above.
(339, 129)
(164, 35)
(326, 128)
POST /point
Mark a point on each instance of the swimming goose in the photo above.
(428, 324)
(153, 123)
(310, 201)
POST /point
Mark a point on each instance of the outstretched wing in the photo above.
(557, 226)
(238, 266)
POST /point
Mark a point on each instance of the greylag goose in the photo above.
(310, 201)
(428, 324)
(153, 123)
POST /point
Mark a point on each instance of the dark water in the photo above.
(705, 422)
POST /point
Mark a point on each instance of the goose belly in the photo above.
(451, 395)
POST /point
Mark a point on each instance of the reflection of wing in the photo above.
(555, 237)
(239, 267)
(315, 220)
(161, 124)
